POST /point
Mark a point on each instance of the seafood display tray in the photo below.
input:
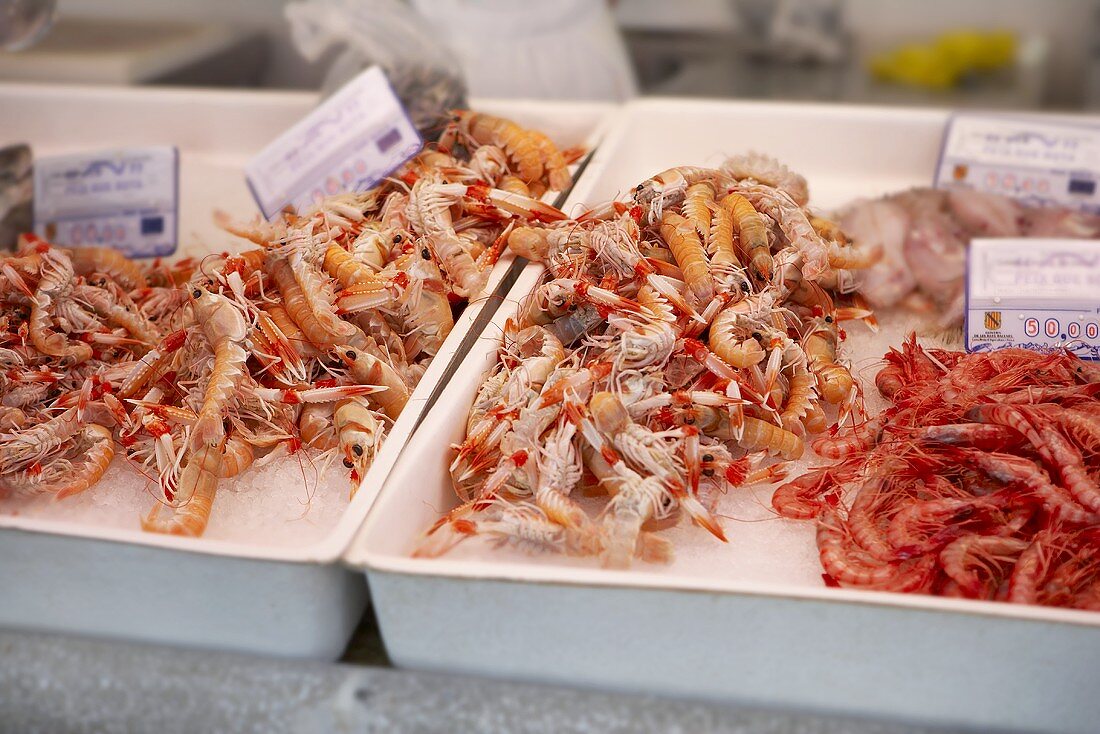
(250, 594)
(752, 620)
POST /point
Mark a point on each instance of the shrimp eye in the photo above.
(357, 449)
(348, 464)
(708, 457)
(196, 293)
(425, 254)
(757, 335)
(397, 239)
(689, 419)
(828, 319)
(350, 354)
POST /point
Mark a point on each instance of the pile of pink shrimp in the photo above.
(315, 338)
(979, 481)
(677, 339)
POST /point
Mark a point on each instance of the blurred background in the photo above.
(1019, 54)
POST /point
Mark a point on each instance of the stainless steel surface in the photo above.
(62, 684)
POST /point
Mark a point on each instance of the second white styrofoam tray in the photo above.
(741, 622)
(250, 593)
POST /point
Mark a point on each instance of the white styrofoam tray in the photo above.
(249, 592)
(749, 621)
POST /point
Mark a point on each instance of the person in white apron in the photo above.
(540, 49)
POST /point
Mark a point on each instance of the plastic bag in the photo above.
(16, 193)
(423, 72)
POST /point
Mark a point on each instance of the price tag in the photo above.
(1035, 161)
(1033, 293)
(126, 199)
(350, 142)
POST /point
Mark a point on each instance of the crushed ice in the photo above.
(288, 501)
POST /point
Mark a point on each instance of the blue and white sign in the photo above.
(353, 140)
(1034, 293)
(126, 199)
(1033, 160)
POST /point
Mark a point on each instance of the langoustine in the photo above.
(673, 344)
(194, 370)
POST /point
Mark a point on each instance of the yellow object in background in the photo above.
(947, 60)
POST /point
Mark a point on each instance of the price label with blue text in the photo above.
(1034, 293)
(127, 199)
(350, 142)
(1035, 160)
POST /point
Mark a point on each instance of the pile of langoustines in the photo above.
(314, 338)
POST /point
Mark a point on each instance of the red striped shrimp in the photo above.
(1032, 567)
(866, 517)
(980, 563)
(1044, 394)
(858, 440)
(984, 436)
(1057, 452)
(808, 495)
(850, 566)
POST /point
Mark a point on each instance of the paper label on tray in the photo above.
(1033, 293)
(1035, 161)
(125, 198)
(350, 142)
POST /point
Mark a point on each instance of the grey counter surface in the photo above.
(57, 684)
